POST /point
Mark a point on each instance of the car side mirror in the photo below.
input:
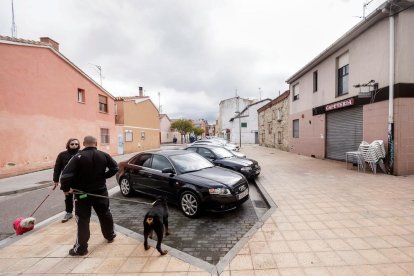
(168, 170)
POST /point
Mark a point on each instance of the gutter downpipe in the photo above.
(391, 94)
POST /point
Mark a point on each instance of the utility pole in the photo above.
(13, 28)
(100, 72)
(260, 94)
(159, 102)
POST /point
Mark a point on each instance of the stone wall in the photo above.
(273, 128)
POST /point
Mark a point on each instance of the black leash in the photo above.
(79, 192)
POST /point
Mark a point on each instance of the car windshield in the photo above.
(190, 162)
(222, 153)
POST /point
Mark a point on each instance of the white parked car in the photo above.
(231, 147)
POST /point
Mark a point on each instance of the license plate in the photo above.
(243, 194)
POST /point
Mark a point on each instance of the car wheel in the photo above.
(125, 187)
(190, 204)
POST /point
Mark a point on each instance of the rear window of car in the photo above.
(143, 160)
(190, 162)
(160, 162)
(222, 153)
(192, 149)
(205, 153)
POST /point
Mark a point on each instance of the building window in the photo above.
(104, 135)
(315, 81)
(269, 127)
(129, 136)
(116, 109)
(279, 115)
(279, 137)
(243, 124)
(103, 104)
(343, 74)
(295, 90)
(81, 95)
(142, 135)
(296, 128)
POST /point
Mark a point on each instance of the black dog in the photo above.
(155, 220)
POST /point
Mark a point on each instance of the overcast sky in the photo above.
(194, 53)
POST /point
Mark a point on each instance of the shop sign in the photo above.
(341, 104)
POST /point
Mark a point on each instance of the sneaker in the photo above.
(112, 238)
(67, 217)
(73, 253)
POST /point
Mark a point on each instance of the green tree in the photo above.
(198, 131)
(183, 126)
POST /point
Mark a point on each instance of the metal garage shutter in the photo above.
(344, 132)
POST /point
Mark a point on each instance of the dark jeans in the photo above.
(83, 214)
(69, 203)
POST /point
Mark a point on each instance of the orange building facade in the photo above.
(45, 100)
(138, 124)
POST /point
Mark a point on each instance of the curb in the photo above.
(27, 189)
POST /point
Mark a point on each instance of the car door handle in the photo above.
(149, 175)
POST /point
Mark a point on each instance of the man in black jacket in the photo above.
(72, 147)
(87, 171)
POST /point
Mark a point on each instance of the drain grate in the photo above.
(259, 204)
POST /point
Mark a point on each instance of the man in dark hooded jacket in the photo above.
(87, 171)
(72, 147)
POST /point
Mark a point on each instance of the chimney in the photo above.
(141, 92)
(51, 42)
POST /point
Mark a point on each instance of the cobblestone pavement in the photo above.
(208, 237)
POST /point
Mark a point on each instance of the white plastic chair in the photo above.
(373, 154)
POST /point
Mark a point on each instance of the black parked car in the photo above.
(185, 178)
(224, 158)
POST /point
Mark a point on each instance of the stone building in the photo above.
(273, 123)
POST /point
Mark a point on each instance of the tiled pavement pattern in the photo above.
(329, 221)
(208, 237)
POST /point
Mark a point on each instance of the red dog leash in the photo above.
(43, 201)
(20, 224)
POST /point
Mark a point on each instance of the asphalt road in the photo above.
(23, 205)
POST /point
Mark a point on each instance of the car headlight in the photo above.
(219, 191)
(246, 169)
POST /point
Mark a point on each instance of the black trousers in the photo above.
(83, 214)
(69, 203)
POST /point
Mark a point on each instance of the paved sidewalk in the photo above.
(329, 221)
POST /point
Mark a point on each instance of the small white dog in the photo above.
(28, 222)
